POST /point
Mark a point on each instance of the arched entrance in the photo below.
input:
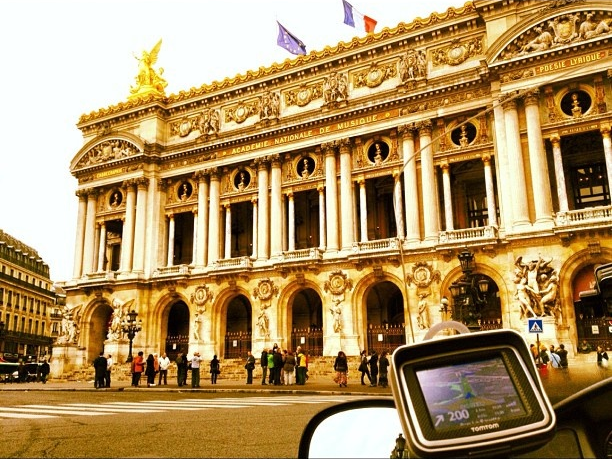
(177, 330)
(99, 325)
(238, 328)
(307, 322)
(385, 317)
(592, 314)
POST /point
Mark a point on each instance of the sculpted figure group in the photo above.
(537, 285)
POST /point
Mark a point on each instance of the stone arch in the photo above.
(505, 290)
(288, 296)
(366, 286)
(94, 323)
(126, 137)
(219, 310)
(567, 275)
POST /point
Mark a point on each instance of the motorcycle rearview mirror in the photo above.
(356, 429)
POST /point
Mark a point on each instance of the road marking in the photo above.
(36, 411)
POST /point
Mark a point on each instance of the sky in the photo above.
(62, 59)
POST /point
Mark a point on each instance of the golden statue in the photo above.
(148, 80)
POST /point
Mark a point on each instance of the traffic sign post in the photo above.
(536, 326)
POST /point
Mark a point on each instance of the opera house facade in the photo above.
(453, 167)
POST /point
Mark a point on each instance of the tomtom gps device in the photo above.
(476, 394)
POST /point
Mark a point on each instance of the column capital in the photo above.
(142, 183)
(532, 97)
(254, 201)
(289, 194)
(555, 139)
(329, 148)
(406, 130)
(82, 193)
(605, 131)
(508, 100)
(129, 184)
(275, 160)
(344, 145)
(261, 163)
(445, 166)
(486, 158)
(200, 176)
(424, 127)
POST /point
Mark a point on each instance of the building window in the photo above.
(590, 186)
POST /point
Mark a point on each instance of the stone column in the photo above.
(520, 206)
(140, 225)
(170, 240)
(213, 218)
(77, 269)
(291, 223)
(411, 192)
(263, 217)
(102, 247)
(322, 224)
(398, 206)
(428, 180)
(363, 208)
(537, 159)
(331, 196)
(194, 249)
(254, 201)
(490, 190)
(127, 237)
(228, 231)
(276, 205)
(502, 167)
(448, 197)
(346, 194)
(90, 232)
(202, 226)
(607, 144)
(555, 141)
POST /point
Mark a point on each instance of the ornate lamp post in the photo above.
(469, 292)
(444, 308)
(130, 327)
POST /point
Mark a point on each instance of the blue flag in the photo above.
(289, 41)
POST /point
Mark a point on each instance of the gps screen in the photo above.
(469, 394)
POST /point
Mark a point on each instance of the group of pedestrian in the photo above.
(280, 367)
(103, 365)
(375, 367)
(555, 357)
(151, 367)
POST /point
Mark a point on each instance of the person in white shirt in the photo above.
(195, 369)
(109, 367)
(164, 363)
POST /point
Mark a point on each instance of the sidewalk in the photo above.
(317, 386)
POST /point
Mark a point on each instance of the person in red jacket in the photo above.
(137, 368)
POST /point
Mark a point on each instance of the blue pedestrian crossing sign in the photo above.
(535, 325)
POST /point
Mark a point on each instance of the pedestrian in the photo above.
(383, 369)
(164, 363)
(215, 369)
(373, 368)
(181, 369)
(363, 368)
(534, 352)
(544, 356)
(289, 369)
(45, 369)
(150, 370)
(300, 374)
(109, 368)
(562, 353)
(341, 369)
(602, 361)
(195, 370)
(137, 368)
(555, 360)
(264, 366)
(278, 366)
(249, 367)
(22, 372)
(99, 365)
(156, 363)
(271, 366)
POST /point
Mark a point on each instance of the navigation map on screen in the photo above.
(469, 394)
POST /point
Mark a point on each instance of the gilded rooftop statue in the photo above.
(148, 81)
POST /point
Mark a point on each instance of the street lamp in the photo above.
(444, 307)
(130, 327)
(469, 292)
